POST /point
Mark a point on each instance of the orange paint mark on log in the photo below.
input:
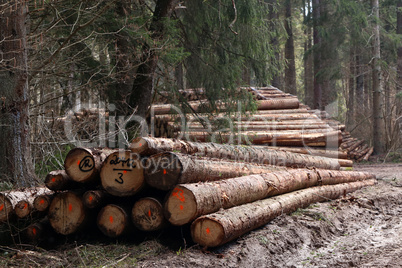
(208, 231)
(90, 198)
(181, 207)
(111, 219)
(149, 213)
(124, 171)
(25, 206)
(140, 144)
(53, 179)
(179, 194)
(70, 207)
(78, 162)
(1, 207)
(42, 201)
(164, 172)
(34, 231)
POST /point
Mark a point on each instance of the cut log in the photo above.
(366, 157)
(164, 171)
(113, 220)
(313, 151)
(147, 214)
(24, 199)
(58, 180)
(67, 213)
(202, 106)
(345, 162)
(83, 164)
(251, 154)
(42, 202)
(221, 227)
(189, 201)
(95, 198)
(38, 231)
(122, 173)
(281, 138)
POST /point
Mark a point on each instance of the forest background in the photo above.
(342, 56)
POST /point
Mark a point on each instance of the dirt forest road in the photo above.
(364, 229)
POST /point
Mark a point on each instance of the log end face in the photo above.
(139, 145)
(41, 203)
(66, 213)
(112, 221)
(22, 209)
(207, 232)
(163, 171)
(6, 208)
(180, 206)
(122, 174)
(147, 214)
(80, 165)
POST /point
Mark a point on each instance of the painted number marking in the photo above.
(86, 164)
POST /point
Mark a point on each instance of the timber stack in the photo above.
(287, 156)
(280, 121)
(162, 182)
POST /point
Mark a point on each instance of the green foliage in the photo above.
(52, 161)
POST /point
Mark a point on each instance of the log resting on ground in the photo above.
(221, 227)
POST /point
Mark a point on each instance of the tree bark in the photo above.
(141, 92)
(189, 201)
(250, 154)
(15, 161)
(378, 102)
(221, 227)
(399, 68)
(317, 56)
(290, 70)
(164, 171)
(308, 59)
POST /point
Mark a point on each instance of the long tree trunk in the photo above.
(250, 154)
(350, 120)
(290, 70)
(308, 59)
(399, 68)
(15, 161)
(141, 92)
(273, 17)
(189, 201)
(164, 171)
(378, 102)
(221, 227)
(317, 56)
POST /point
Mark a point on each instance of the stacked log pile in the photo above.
(280, 121)
(162, 182)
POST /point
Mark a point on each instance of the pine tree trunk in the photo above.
(164, 171)
(378, 102)
(351, 89)
(290, 70)
(141, 92)
(221, 227)
(399, 67)
(318, 91)
(308, 60)
(189, 201)
(15, 161)
(250, 154)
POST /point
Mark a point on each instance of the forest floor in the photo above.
(363, 229)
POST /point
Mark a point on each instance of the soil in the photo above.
(363, 229)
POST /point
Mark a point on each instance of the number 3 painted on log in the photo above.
(120, 179)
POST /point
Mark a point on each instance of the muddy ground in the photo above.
(364, 229)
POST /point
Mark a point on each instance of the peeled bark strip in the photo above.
(24, 199)
(95, 198)
(221, 227)
(251, 154)
(122, 173)
(189, 201)
(164, 171)
(113, 220)
(147, 214)
(67, 213)
(83, 164)
(58, 180)
(42, 202)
